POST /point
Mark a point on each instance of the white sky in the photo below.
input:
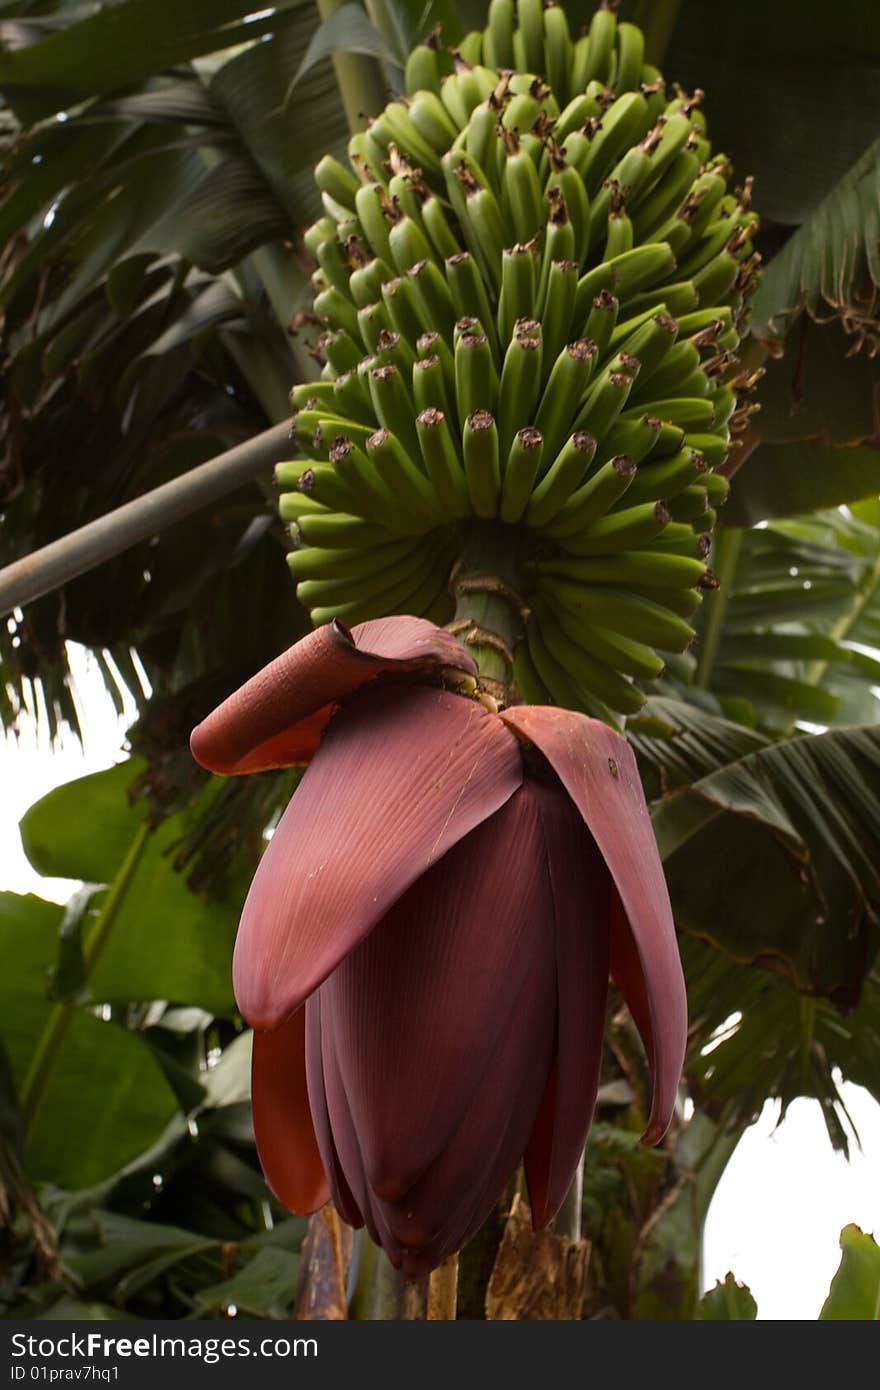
(785, 1196)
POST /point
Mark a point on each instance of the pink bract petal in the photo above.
(419, 1007)
(455, 1194)
(351, 1208)
(402, 775)
(581, 889)
(286, 1143)
(277, 718)
(598, 769)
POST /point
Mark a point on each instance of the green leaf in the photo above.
(169, 943)
(854, 1295)
(792, 102)
(754, 1037)
(819, 389)
(681, 742)
(106, 1099)
(728, 1302)
(786, 479)
(833, 259)
(346, 30)
(264, 1288)
(799, 823)
(120, 45)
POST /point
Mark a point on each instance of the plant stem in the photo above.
(62, 1015)
(443, 1291)
(728, 543)
(487, 604)
(361, 81)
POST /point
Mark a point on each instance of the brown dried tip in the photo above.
(431, 418)
(591, 127)
(584, 350)
(510, 140)
(556, 156)
(355, 251)
(426, 362)
(387, 340)
(704, 545)
(623, 466)
(527, 328)
(699, 462)
(384, 373)
(709, 580)
(652, 139)
(340, 448)
(667, 322)
(617, 198)
(662, 513)
(306, 482)
(378, 438)
(426, 342)
(530, 344)
(474, 340)
(466, 324)
(542, 126)
(459, 258)
(629, 364)
(557, 208)
(583, 442)
(481, 420)
(605, 300)
(530, 438)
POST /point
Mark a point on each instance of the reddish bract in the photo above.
(425, 947)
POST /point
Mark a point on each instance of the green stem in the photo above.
(728, 543)
(51, 1042)
(657, 20)
(487, 607)
(361, 81)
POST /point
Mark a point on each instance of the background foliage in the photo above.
(154, 292)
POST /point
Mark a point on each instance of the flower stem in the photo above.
(443, 1291)
(488, 606)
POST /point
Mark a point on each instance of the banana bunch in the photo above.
(534, 278)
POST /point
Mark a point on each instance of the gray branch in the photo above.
(47, 569)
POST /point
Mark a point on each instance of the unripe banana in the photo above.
(533, 296)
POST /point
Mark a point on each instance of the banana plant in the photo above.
(531, 296)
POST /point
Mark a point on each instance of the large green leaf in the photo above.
(264, 1288)
(754, 1038)
(796, 827)
(792, 101)
(106, 1098)
(168, 942)
(854, 1295)
(832, 263)
(120, 45)
(814, 577)
(787, 479)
